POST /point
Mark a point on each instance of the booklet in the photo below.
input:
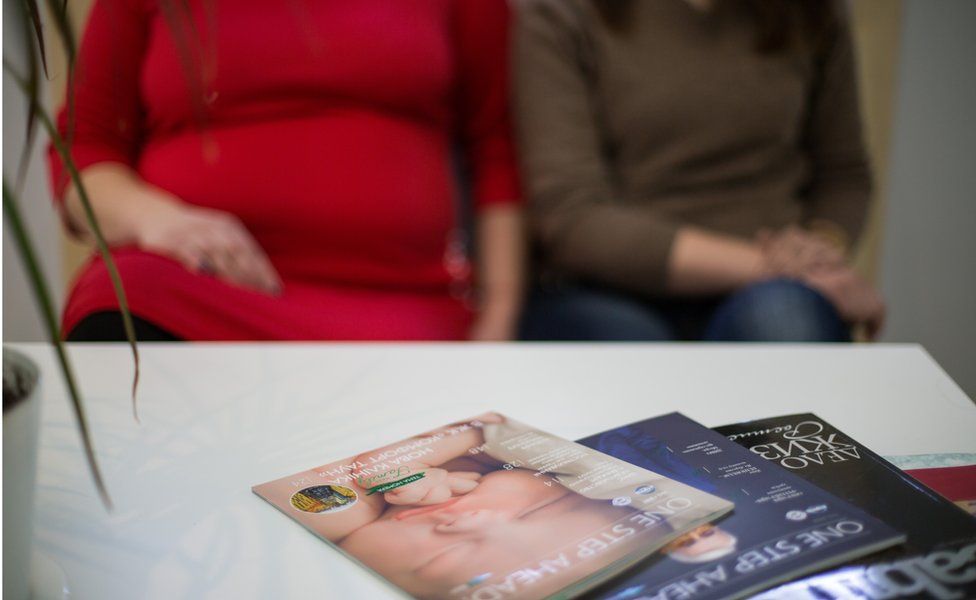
(939, 557)
(815, 450)
(782, 526)
(491, 509)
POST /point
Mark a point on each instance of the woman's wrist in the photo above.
(152, 208)
(122, 203)
(706, 263)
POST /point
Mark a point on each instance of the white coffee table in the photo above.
(217, 419)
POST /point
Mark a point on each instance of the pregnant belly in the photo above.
(344, 197)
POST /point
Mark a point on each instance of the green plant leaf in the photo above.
(43, 296)
(62, 25)
(34, 23)
(32, 27)
(66, 33)
(62, 149)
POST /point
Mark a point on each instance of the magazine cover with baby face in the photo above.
(491, 508)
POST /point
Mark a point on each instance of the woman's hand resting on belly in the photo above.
(205, 241)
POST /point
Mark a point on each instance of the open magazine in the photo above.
(491, 508)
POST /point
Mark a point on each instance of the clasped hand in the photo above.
(808, 257)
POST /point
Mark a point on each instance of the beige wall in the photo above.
(877, 28)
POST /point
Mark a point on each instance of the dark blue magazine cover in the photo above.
(782, 525)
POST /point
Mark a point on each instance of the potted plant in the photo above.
(21, 379)
(21, 414)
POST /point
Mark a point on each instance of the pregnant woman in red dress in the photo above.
(288, 170)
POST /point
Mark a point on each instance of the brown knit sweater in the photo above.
(627, 136)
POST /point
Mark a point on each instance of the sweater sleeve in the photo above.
(106, 124)
(840, 185)
(581, 229)
(481, 36)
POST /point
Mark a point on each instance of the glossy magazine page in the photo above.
(491, 508)
(782, 525)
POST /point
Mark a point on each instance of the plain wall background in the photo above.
(928, 257)
(20, 319)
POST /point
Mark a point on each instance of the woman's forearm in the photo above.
(703, 263)
(206, 241)
(501, 271)
(501, 256)
(121, 201)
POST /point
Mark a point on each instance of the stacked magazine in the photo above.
(491, 508)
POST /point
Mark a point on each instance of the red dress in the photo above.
(328, 127)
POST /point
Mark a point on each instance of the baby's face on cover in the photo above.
(509, 521)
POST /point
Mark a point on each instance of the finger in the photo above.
(434, 475)
(268, 275)
(259, 271)
(194, 258)
(225, 264)
(821, 253)
(245, 271)
(189, 257)
(234, 260)
(408, 494)
(828, 250)
(461, 486)
(436, 495)
(466, 474)
(806, 256)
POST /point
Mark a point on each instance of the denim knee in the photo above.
(581, 314)
(778, 310)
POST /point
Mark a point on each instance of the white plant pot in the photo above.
(20, 431)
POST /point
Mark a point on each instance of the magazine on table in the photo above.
(491, 508)
(812, 448)
(948, 573)
(782, 526)
(938, 559)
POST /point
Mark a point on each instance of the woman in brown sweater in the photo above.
(695, 169)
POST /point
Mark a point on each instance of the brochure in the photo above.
(820, 453)
(491, 509)
(782, 526)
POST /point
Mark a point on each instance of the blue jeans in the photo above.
(779, 310)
